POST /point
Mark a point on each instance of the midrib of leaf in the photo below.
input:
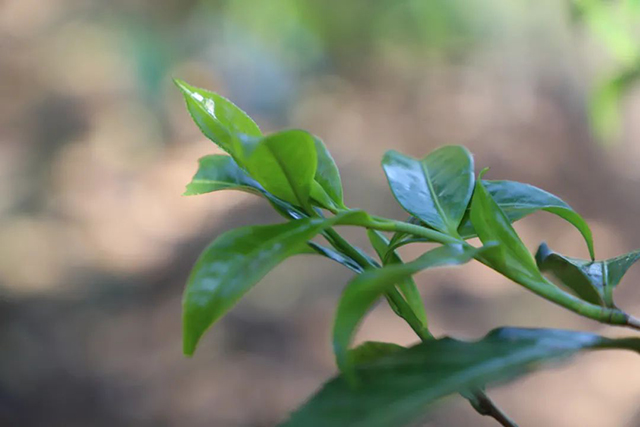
(452, 230)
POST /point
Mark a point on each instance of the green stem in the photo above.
(539, 286)
(479, 399)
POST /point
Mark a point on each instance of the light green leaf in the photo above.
(407, 286)
(218, 118)
(592, 281)
(327, 176)
(234, 263)
(395, 390)
(605, 103)
(284, 163)
(436, 189)
(511, 258)
(361, 293)
(518, 200)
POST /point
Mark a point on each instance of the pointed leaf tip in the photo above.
(436, 189)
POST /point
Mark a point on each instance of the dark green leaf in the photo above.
(436, 189)
(511, 258)
(284, 163)
(407, 286)
(395, 390)
(592, 281)
(327, 176)
(218, 118)
(219, 172)
(361, 293)
(234, 263)
(336, 256)
(518, 200)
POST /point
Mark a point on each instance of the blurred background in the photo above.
(96, 146)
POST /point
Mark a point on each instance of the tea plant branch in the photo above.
(448, 204)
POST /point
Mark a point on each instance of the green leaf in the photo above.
(395, 390)
(592, 281)
(371, 351)
(407, 286)
(511, 258)
(284, 163)
(365, 289)
(218, 118)
(436, 189)
(219, 172)
(518, 200)
(327, 175)
(234, 263)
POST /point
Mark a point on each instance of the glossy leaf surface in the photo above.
(511, 258)
(592, 281)
(234, 263)
(336, 256)
(219, 119)
(395, 390)
(436, 189)
(407, 286)
(518, 200)
(284, 164)
(363, 291)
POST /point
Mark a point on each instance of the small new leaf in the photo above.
(328, 176)
(592, 281)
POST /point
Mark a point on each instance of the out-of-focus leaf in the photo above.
(605, 102)
(361, 293)
(395, 390)
(518, 200)
(436, 189)
(511, 258)
(371, 351)
(592, 281)
(284, 163)
(234, 263)
(407, 286)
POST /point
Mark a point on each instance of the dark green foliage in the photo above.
(395, 388)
